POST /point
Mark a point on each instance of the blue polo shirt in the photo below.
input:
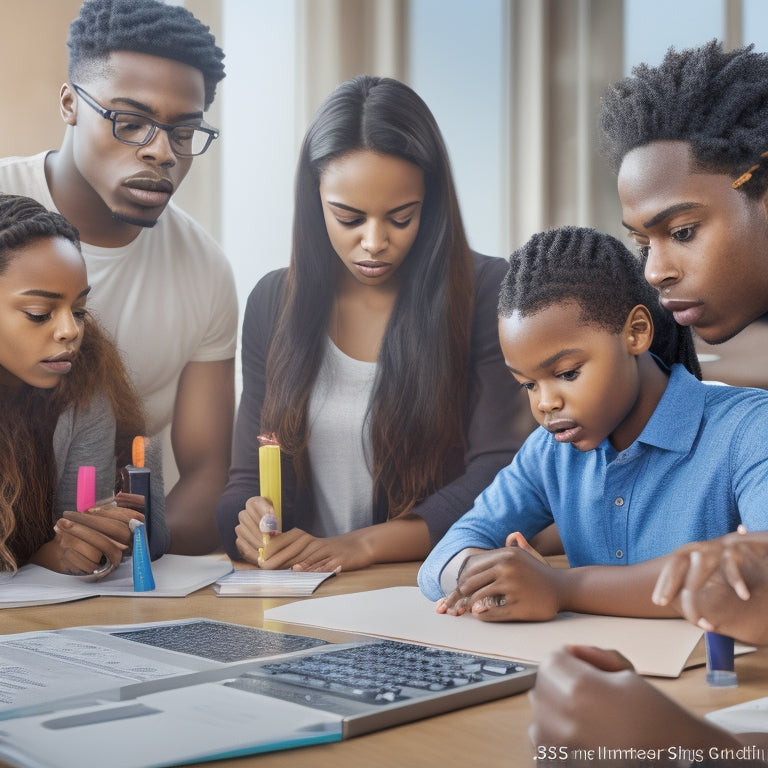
(697, 470)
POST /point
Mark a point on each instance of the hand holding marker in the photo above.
(86, 499)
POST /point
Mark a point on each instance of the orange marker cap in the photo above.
(137, 451)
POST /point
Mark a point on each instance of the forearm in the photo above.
(190, 511)
(400, 540)
(611, 590)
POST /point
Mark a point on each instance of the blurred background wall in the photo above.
(514, 84)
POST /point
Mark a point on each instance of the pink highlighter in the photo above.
(86, 488)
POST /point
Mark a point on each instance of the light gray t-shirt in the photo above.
(340, 445)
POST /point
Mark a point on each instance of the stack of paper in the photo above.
(253, 583)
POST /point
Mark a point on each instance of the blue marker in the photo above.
(720, 664)
(143, 580)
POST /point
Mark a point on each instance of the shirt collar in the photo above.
(675, 422)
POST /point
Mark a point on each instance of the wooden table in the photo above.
(489, 735)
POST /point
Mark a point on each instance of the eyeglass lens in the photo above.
(185, 139)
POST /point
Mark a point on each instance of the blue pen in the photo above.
(143, 580)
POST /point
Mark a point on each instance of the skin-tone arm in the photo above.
(402, 539)
(588, 697)
(720, 585)
(201, 436)
(532, 591)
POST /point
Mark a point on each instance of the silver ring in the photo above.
(494, 601)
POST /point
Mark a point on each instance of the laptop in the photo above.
(290, 691)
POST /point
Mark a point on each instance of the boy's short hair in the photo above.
(598, 273)
(714, 100)
(143, 26)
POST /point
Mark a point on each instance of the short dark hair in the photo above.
(601, 275)
(23, 221)
(714, 100)
(143, 26)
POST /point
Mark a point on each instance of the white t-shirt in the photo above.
(167, 298)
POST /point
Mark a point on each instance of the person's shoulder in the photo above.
(13, 161)
(22, 174)
(271, 281)
(489, 268)
(267, 291)
(733, 408)
(489, 272)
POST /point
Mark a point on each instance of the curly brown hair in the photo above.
(30, 415)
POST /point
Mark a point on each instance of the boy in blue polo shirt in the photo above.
(634, 456)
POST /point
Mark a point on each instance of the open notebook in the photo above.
(169, 697)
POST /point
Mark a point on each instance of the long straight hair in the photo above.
(416, 410)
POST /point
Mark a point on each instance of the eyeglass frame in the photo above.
(112, 115)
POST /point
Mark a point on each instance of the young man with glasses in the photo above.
(141, 75)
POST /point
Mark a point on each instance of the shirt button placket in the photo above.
(619, 502)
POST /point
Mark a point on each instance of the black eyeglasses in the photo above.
(138, 130)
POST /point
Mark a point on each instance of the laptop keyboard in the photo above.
(382, 672)
(219, 640)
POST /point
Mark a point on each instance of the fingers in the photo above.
(133, 501)
(257, 506)
(110, 521)
(248, 535)
(672, 577)
(516, 539)
(285, 549)
(608, 660)
(83, 549)
(454, 604)
(732, 563)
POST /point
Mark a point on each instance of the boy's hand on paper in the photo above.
(720, 585)
(588, 697)
(506, 584)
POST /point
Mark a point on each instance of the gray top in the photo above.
(84, 437)
(339, 444)
(87, 437)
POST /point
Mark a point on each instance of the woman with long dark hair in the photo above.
(374, 358)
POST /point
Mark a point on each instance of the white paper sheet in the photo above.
(175, 576)
(655, 646)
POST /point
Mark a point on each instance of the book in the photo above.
(257, 583)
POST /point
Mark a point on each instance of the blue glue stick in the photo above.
(143, 580)
(720, 665)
